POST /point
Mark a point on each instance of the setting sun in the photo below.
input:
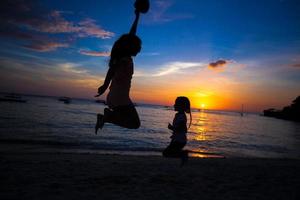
(202, 105)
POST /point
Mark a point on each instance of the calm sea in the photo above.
(46, 124)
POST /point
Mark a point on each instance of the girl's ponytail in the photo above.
(190, 120)
(188, 110)
(187, 107)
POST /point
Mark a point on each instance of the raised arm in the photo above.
(135, 23)
(141, 6)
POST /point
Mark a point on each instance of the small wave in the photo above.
(43, 106)
(1, 117)
(37, 142)
(80, 145)
(79, 112)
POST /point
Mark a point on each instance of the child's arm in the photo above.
(106, 83)
(180, 127)
(135, 23)
(170, 127)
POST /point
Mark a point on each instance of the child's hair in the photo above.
(185, 103)
(123, 47)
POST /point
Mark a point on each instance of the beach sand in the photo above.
(93, 176)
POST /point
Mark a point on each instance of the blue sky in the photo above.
(220, 53)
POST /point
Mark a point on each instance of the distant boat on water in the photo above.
(242, 111)
(66, 100)
(13, 98)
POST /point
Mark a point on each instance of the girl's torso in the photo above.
(121, 83)
(180, 129)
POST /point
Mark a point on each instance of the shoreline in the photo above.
(89, 176)
(8, 147)
(31, 147)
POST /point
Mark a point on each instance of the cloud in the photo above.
(45, 70)
(219, 65)
(88, 27)
(49, 23)
(55, 23)
(47, 76)
(94, 53)
(296, 65)
(72, 69)
(159, 12)
(171, 68)
(45, 46)
(204, 94)
(150, 53)
(176, 67)
(35, 41)
(27, 21)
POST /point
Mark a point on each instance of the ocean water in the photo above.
(46, 124)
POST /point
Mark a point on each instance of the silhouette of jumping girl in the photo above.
(121, 110)
(179, 130)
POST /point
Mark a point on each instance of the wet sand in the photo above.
(94, 176)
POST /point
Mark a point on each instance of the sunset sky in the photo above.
(219, 53)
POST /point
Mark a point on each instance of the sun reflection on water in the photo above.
(205, 155)
(200, 127)
(201, 133)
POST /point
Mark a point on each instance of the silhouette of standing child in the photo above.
(121, 110)
(179, 130)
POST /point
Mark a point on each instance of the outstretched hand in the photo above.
(170, 126)
(101, 90)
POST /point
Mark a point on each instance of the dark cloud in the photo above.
(38, 28)
(218, 64)
(296, 65)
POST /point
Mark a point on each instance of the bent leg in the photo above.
(174, 150)
(124, 116)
